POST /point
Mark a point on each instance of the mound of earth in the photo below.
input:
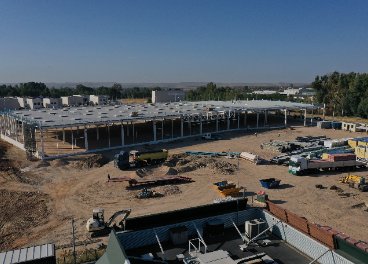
(164, 170)
(168, 190)
(19, 212)
(141, 173)
(59, 162)
(191, 163)
(41, 164)
(92, 161)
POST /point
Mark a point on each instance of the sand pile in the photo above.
(41, 164)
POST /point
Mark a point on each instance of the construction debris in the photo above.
(223, 200)
(191, 163)
(168, 190)
(91, 161)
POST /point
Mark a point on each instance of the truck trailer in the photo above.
(134, 158)
(300, 165)
(251, 157)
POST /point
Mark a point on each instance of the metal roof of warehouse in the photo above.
(27, 254)
(68, 116)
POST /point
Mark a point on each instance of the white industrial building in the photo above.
(172, 95)
(71, 130)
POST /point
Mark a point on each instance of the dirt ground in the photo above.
(40, 198)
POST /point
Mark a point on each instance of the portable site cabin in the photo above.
(353, 127)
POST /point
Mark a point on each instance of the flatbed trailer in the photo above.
(160, 180)
(302, 166)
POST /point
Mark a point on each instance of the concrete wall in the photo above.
(168, 96)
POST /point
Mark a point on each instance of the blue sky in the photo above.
(181, 41)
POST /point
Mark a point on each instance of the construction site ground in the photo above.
(40, 198)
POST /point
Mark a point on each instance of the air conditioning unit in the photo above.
(254, 227)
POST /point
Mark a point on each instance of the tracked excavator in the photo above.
(98, 227)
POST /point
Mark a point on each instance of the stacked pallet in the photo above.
(342, 157)
(336, 142)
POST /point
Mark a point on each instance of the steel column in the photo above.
(122, 133)
(85, 138)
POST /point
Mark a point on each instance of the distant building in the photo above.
(52, 102)
(98, 99)
(72, 100)
(172, 95)
(298, 91)
(34, 103)
(9, 103)
(265, 92)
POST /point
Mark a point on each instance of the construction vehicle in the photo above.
(354, 181)
(99, 227)
(146, 194)
(251, 157)
(160, 180)
(134, 158)
(299, 165)
(211, 136)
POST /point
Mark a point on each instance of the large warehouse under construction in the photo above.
(49, 133)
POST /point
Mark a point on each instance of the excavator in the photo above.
(357, 182)
(99, 227)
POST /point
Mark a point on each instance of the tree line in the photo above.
(346, 94)
(35, 89)
(211, 92)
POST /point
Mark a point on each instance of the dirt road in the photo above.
(39, 198)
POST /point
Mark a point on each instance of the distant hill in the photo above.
(184, 85)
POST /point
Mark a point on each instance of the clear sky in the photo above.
(251, 41)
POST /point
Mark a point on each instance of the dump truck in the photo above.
(251, 157)
(134, 158)
(211, 136)
(300, 165)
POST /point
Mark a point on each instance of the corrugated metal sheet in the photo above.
(302, 242)
(27, 254)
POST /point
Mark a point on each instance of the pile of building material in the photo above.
(223, 200)
(333, 143)
(276, 147)
(310, 138)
